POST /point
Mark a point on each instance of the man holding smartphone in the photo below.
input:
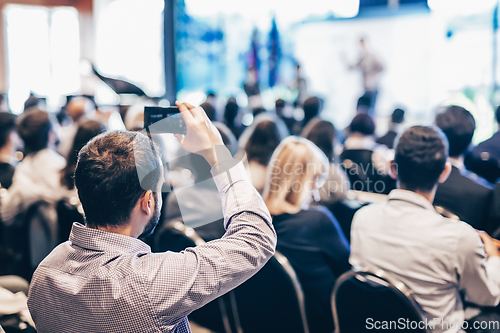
(106, 280)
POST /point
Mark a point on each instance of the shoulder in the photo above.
(468, 237)
(319, 213)
(367, 214)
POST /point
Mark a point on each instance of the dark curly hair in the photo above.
(421, 154)
(107, 176)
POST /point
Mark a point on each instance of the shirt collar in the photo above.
(104, 241)
(410, 197)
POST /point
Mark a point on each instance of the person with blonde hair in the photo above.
(310, 237)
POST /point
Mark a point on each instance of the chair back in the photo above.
(272, 300)
(363, 299)
(32, 239)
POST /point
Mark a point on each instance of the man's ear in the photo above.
(445, 174)
(393, 170)
(147, 202)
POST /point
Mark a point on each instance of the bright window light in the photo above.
(345, 8)
(461, 7)
(42, 53)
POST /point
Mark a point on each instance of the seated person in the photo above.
(463, 193)
(435, 257)
(311, 238)
(259, 141)
(485, 158)
(323, 134)
(199, 205)
(9, 142)
(366, 162)
(397, 119)
(84, 133)
(78, 109)
(38, 176)
(231, 117)
(109, 279)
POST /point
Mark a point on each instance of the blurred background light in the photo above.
(461, 7)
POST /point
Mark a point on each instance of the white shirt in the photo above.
(434, 256)
(38, 177)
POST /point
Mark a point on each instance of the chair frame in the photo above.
(380, 277)
(282, 260)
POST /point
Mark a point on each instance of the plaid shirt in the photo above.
(105, 282)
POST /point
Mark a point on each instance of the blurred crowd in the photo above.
(310, 173)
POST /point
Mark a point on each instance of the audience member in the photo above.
(109, 279)
(462, 194)
(34, 102)
(206, 216)
(397, 119)
(38, 176)
(9, 142)
(485, 158)
(78, 109)
(435, 257)
(231, 115)
(310, 238)
(259, 142)
(365, 161)
(288, 119)
(322, 133)
(210, 110)
(86, 131)
(312, 108)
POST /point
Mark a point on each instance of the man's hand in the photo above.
(491, 245)
(202, 136)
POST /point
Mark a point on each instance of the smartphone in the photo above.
(159, 119)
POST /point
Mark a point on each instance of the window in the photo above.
(43, 53)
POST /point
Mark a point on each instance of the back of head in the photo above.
(296, 167)
(322, 133)
(398, 116)
(210, 111)
(263, 141)
(86, 131)
(312, 108)
(458, 125)
(78, 106)
(497, 114)
(31, 102)
(421, 154)
(231, 111)
(362, 124)
(7, 126)
(34, 126)
(279, 106)
(107, 176)
(363, 104)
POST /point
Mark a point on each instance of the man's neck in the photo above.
(429, 196)
(126, 230)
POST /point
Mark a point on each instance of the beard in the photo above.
(153, 221)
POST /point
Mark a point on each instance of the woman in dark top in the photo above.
(310, 238)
